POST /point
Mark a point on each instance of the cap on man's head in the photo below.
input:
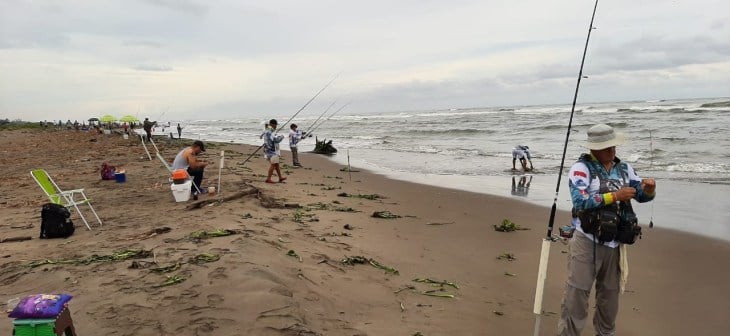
(602, 136)
(199, 144)
(273, 122)
(293, 126)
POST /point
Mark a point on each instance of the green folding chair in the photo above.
(69, 198)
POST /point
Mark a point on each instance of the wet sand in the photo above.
(678, 283)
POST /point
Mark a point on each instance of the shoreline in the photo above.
(256, 288)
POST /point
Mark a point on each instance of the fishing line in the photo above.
(545, 253)
(295, 114)
(651, 163)
(328, 118)
(306, 131)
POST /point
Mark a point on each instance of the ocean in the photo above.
(684, 144)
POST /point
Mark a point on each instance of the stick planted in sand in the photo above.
(545, 252)
(145, 147)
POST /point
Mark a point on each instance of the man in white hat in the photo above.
(601, 187)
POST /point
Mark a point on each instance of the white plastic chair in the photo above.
(69, 198)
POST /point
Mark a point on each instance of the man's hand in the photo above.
(649, 185)
(625, 193)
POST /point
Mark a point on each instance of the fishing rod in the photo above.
(295, 114)
(320, 117)
(651, 163)
(545, 253)
(328, 118)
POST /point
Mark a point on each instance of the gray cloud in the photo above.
(250, 57)
(147, 67)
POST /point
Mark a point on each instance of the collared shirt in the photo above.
(271, 142)
(585, 189)
(294, 138)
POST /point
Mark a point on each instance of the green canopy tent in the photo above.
(129, 119)
(107, 118)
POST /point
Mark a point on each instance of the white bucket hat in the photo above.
(602, 136)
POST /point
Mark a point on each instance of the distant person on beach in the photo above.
(187, 159)
(126, 128)
(147, 126)
(294, 136)
(271, 150)
(179, 131)
(522, 153)
(601, 188)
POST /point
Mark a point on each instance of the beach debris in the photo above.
(141, 264)
(371, 197)
(507, 256)
(15, 239)
(251, 190)
(436, 282)
(330, 188)
(116, 256)
(498, 313)
(323, 147)
(202, 234)
(402, 307)
(204, 258)
(247, 216)
(348, 169)
(385, 214)
(510, 274)
(171, 280)
(438, 293)
(166, 269)
(301, 214)
(348, 227)
(363, 260)
(291, 253)
(508, 226)
(323, 206)
(411, 287)
(27, 226)
(292, 205)
(151, 233)
(417, 333)
(444, 223)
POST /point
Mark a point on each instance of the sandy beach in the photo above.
(280, 272)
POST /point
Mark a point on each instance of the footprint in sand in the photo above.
(282, 290)
(218, 274)
(214, 299)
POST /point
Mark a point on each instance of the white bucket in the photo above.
(125, 136)
(181, 192)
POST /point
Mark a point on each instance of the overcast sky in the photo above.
(195, 59)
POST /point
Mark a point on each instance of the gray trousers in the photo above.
(294, 156)
(581, 275)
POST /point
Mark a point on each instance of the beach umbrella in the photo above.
(107, 118)
(93, 119)
(129, 119)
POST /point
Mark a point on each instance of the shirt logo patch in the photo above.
(579, 173)
(598, 198)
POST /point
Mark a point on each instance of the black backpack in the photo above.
(55, 221)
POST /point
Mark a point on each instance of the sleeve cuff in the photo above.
(608, 198)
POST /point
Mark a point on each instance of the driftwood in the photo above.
(266, 201)
(199, 204)
(15, 239)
